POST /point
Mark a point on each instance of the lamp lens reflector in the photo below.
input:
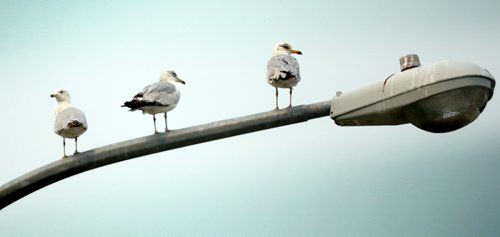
(448, 111)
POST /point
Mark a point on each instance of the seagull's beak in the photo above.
(296, 51)
(180, 81)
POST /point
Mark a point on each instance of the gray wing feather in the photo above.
(162, 92)
(279, 66)
(67, 115)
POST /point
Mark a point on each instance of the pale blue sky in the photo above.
(310, 179)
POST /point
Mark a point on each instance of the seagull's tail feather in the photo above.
(285, 75)
(134, 105)
(75, 124)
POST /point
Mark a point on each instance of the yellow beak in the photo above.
(296, 51)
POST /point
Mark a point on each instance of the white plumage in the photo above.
(283, 69)
(159, 97)
(70, 122)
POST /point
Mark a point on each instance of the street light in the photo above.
(439, 97)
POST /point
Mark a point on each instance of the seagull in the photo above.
(159, 97)
(283, 69)
(70, 122)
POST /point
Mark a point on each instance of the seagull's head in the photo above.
(61, 95)
(169, 75)
(284, 48)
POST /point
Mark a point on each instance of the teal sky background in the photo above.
(309, 179)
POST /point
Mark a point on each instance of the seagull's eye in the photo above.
(175, 74)
(286, 46)
(61, 91)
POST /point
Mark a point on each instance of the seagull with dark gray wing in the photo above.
(70, 122)
(283, 69)
(159, 97)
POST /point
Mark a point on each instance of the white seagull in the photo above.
(70, 122)
(283, 69)
(159, 97)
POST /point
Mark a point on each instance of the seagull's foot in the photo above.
(276, 108)
(64, 157)
(289, 106)
(76, 153)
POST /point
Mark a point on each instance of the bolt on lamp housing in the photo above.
(439, 97)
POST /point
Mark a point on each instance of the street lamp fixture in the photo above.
(439, 97)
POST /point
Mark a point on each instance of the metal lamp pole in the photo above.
(142, 146)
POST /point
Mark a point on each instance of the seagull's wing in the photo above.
(161, 93)
(70, 118)
(283, 67)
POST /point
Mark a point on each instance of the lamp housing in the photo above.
(438, 97)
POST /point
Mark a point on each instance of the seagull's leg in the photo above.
(290, 105)
(64, 148)
(276, 98)
(154, 122)
(166, 127)
(76, 146)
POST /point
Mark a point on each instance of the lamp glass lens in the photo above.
(449, 110)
